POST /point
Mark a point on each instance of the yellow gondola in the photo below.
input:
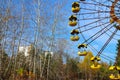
(98, 58)
(119, 76)
(95, 58)
(114, 68)
(72, 20)
(75, 4)
(95, 66)
(74, 38)
(75, 7)
(111, 67)
(75, 31)
(113, 77)
(72, 23)
(82, 46)
(77, 38)
(84, 53)
(118, 68)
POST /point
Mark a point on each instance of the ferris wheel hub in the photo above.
(114, 14)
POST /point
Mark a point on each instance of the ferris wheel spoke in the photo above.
(107, 42)
(94, 18)
(97, 36)
(100, 3)
(94, 27)
(103, 29)
(111, 31)
(108, 57)
(89, 9)
(113, 37)
(90, 23)
(96, 4)
(94, 12)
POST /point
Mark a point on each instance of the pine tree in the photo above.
(118, 54)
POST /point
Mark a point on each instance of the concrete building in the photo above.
(25, 50)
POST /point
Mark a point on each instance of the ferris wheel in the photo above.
(92, 21)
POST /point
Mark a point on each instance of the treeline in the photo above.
(57, 66)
